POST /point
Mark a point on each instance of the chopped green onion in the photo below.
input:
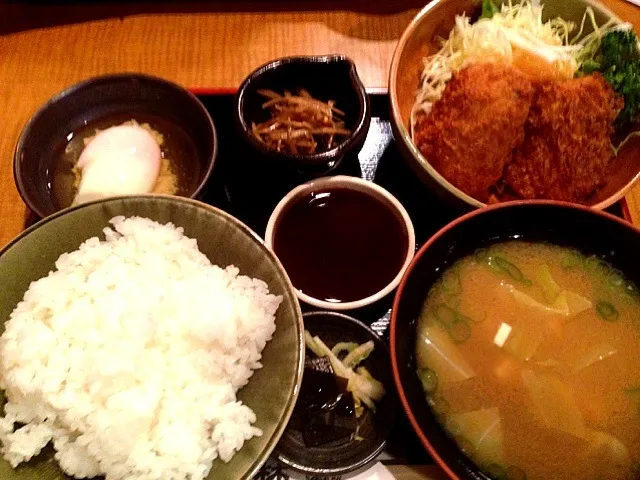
(446, 315)
(509, 268)
(440, 405)
(456, 325)
(593, 262)
(469, 319)
(460, 331)
(481, 255)
(607, 311)
(572, 260)
(453, 427)
(443, 406)
(451, 283)
(632, 290)
(429, 379)
(452, 300)
(615, 278)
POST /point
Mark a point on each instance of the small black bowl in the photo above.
(333, 460)
(100, 98)
(328, 77)
(590, 231)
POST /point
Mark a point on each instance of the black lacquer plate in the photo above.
(249, 187)
(343, 456)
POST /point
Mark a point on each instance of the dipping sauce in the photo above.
(340, 244)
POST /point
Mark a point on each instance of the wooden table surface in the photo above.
(44, 49)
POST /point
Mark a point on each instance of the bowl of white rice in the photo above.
(148, 338)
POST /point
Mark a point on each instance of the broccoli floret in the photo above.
(590, 66)
(619, 47)
(489, 9)
(619, 63)
(625, 80)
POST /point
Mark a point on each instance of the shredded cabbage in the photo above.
(590, 44)
(360, 383)
(514, 28)
(348, 347)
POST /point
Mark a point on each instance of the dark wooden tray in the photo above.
(249, 187)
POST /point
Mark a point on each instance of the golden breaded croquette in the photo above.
(470, 133)
(567, 149)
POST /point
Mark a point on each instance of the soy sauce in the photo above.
(340, 244)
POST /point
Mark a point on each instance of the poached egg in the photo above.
(121, 160)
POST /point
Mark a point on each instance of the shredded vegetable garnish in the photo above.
(515, 34)
(590, 43)
(361, 384)
(348, 347)
(299, 124)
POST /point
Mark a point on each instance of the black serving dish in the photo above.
(328, 77)
(100, 98)
(590, 231)
(249, 186)
(343, 456)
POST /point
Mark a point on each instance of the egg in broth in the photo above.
(179, 169)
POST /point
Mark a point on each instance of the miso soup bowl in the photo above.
(592, 232)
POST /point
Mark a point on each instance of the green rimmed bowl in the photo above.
(272, 390)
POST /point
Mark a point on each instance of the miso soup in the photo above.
(529, 355)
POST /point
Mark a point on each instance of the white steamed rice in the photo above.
(128, 358)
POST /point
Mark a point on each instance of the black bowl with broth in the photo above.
(564, 225)
(53, 139)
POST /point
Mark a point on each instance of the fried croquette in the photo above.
(567, 149)
(470, 133)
